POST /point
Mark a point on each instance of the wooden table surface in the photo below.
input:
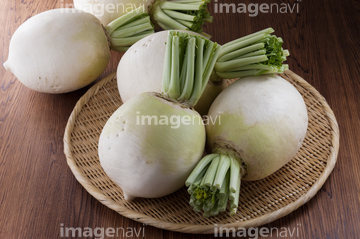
(39, 194)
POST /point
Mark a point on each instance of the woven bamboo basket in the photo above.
(261, 201)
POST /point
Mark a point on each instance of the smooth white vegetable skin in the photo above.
(145, 160)
(141, 69)
(263, 118)
(58, 51)
(108, 10)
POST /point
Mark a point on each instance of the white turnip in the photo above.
(260, 124)
(62, 50)
(152, 142)
(255, 54)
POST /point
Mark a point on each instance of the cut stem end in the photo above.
(256, 54)
(129, 28)
(189, 62)
(181, 14)
(215, 181)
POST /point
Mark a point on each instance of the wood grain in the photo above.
(38, 192)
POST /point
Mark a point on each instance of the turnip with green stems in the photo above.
(256, 54)
(62, 50)
(261, 122)
(151, 157)
(167, 14)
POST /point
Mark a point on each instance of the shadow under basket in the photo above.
(261, 201)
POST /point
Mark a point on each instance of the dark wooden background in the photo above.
(38, 192)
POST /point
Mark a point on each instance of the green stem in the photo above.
(228, 66)
(142, 20)
(181, 14)
(256, 54)
(260, 52)
(256, 67)
(221, 172)
(188, 61)
(167, 65)
(208, 53)
(174, 88)
(247, 42)
(242, 51)
(224, 193)
(234, 175)
(128, 29)
(228, 46)
(215, 180)
(126, 42)
(211, 172)
(166, 22)
(198, 73)
(199, 168)
(189, 72)
(209, 64)
(187, 24)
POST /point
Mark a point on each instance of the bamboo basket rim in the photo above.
(201, 229)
